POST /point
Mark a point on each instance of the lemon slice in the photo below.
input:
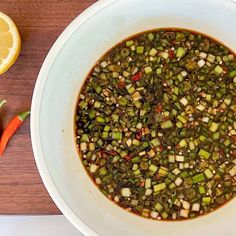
(10, 43)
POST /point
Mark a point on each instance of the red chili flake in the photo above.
(221, 151)
(233, 137)
(103, 154)
(138, 134)
(159, 108)
(127, 157)
(171, 54)
(121, 84)
(155, 150)
(188, 125)
(225, 68)
(233, 153)
(137, 76)
(141, 183)
(177, 146)
(112, 152)
(158, 176)
(161, 148)
(106, 153)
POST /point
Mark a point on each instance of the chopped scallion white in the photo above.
(178, 181)
(184, 101)
(126, 192)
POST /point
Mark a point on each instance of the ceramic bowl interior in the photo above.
(53, 108)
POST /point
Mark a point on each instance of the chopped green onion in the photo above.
(159, 187)
(116, 135)
(208, 173)
(158, 207)
(148, 70)
(218, 69)
(214, 126)
(204, 154)
(153, 168)
(206, 200)
(140, 50)
(166, 124)
(181, 52)
(198, 178)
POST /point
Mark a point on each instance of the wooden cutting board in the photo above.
(40, 22)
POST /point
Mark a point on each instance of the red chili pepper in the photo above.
(138, 134)
(102, 153)
(158, 176)
(171, 54)
(106, 153)
(121, 84)
(221, 151)
(225, 69)
(159, 108)
(177, 146)
(11, 128)
(161, 148)
(233, 153)
(127, 157)
(137, 76)
(233, 137)
(141, 183)
(112, 152)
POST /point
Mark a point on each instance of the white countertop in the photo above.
(36, 226)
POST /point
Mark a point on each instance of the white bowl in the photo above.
(82, 43)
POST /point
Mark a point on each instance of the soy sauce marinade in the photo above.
(156, 127)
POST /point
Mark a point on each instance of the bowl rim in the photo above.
(35, 111)
(35, 114)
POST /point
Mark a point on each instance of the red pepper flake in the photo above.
(138, 134)
(137, 76)
(177, 146)
(158, 176)
(233, 153)
(233, 137)
(106, 153)
(159, 108)
(171, 54)
(112, 152)
(221, 151)
(141, 183)
(161, 148)
(103, 153)
(121, 84)
(225, 68)
(127, 157)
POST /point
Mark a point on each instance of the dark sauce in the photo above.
(125, 202)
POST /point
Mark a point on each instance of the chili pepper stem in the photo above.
(23, 115)
(2, 102)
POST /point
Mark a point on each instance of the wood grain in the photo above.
(40, 22)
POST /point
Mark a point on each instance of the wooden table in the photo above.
(40, 22)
